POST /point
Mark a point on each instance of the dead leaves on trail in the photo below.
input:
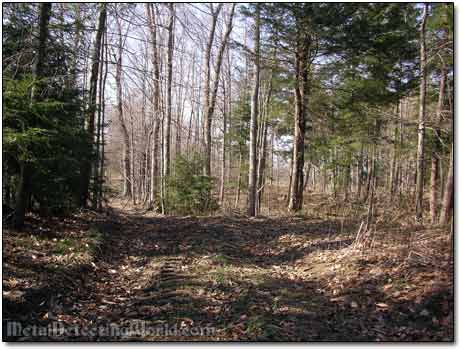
(284, 278)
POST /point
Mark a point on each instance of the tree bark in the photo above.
(97, 183)
(421, 120)
(436, 150)
(301, 65)
(127, 178)
(210, 107)
(229, 114)
(206, 88)
(101, 168)
(156, 106)
(370, 166)
(254, 122)
(167, 130)
(393, 164)
(261, 170)
(239, 179)
(447, 203)
(224, 148)
(359, 174)
(86, 170)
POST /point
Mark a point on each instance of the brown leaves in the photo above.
(286, 278)
(382, 305)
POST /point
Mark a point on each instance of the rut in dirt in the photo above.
(279, 278)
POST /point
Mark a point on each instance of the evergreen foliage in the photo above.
(188, 189)
(46, 133)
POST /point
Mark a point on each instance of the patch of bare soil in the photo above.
(227, 278)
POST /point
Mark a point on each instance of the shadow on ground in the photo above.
(190, 272)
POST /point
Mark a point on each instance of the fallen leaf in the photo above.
(424, 312)
(382, 305)
(386, 287)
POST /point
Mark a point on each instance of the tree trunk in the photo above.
(347, 182)
(86, 169)
(131, 159)
(447, 203)
(254, 124)
(296, 192)
(290, 177)
(101, 168)
(261, 176)
(239, 179)
(229, 113)
(224, 148)
(167, 125)
(370, 212)
(206, 88)
(180, 103)
(421, 120)
(209, 108)
(127, 179)
(156, 106)
(77, 43)
(22, 194)
(436, 150)
(23, 188)
(370, 166)
(393, 164)
(95, 198)
(261, 171)
(359, 174)
(306, 176)
(37, 67)
(398, 174)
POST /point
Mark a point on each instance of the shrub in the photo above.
(188, 190)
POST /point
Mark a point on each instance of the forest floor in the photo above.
(227, 278)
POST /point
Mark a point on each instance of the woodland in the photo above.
(231, 171)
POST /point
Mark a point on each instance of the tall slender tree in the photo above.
(302, 61)
(435, 152)
(421, 117)
(169, 101)
(447, 203)
(210, 106)
(91, 110)
(156, 104)
(254, 119)
(127, 164)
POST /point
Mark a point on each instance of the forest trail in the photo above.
(302, 154)
(224, 278)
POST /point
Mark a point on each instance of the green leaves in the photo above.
(188, 191)
(49, 135)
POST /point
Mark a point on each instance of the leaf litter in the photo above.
(280, 278)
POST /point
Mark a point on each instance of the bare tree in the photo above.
(210, 96)
(447, 203)
(262, 143)
(127, 164)
(421, 118)
(224, 139)
(86, 171)
(254, 121)
(156, 104)
(167, 124)
(434, 154)
(303, 42)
